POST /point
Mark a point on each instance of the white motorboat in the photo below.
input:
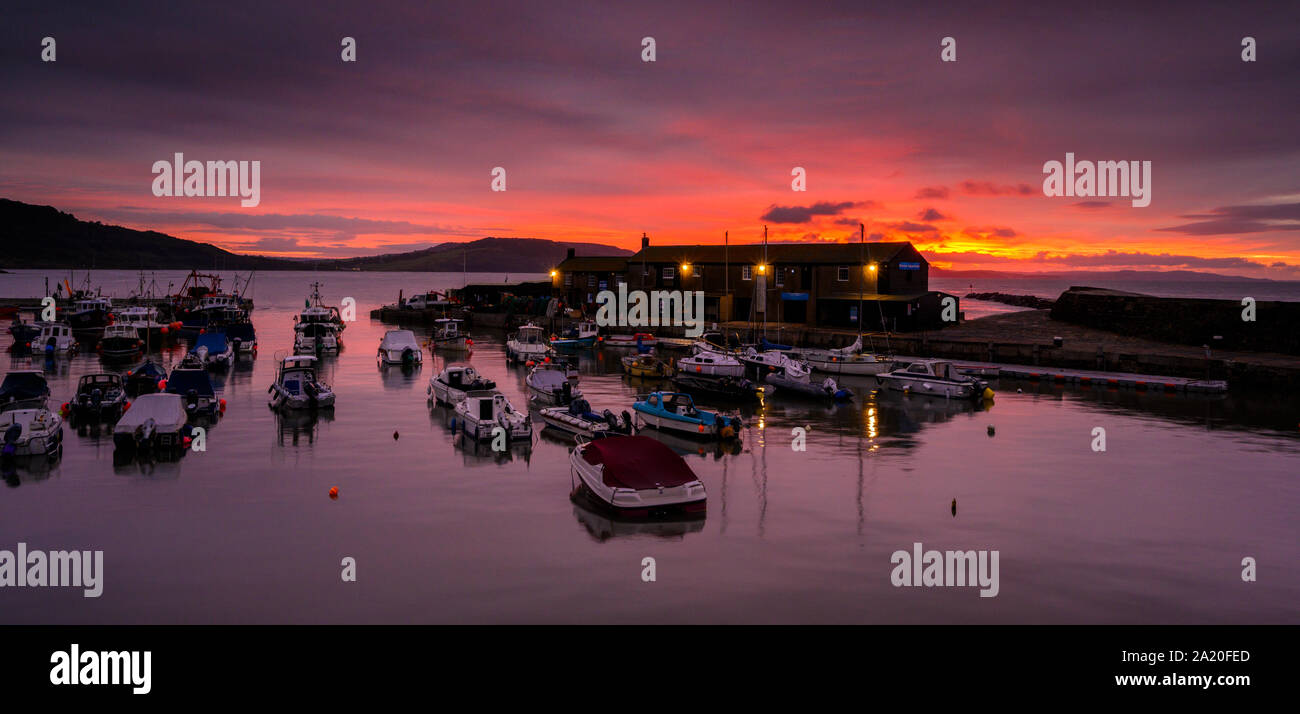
(768, 362)
(479, 415)
(213, 350)
(55, 339)
(31, 432)
(452, 384)
(636, 476)
(315, 338)
(527, 345)
(143, 319)
(798, 378)
(711, 364)
(24, 389)
(400, 347)
(552, 384)
(296, 386)
(448, 336)
(154, 422)
(120, 341)
(578, 418)
(849, 360)
(937, 377)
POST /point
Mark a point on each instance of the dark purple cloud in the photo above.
(1229, 220)
(930, 214)
(805, 214)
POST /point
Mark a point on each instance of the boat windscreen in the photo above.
(24, 385)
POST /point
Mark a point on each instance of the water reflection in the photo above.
(603, 526)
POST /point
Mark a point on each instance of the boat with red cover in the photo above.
(636, 476)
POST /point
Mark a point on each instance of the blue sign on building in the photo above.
(909, 266)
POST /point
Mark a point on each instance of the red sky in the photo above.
(394, 152)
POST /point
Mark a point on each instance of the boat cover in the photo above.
(399, 340)
(638, 462)
(148, 369)
(547, 379)
(182, 381)
(20, 386)
(242, 332)
(166, 410)
(214, 341)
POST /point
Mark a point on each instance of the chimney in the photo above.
(645, 241)
(571, 252)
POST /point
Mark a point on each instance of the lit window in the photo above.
(746, 272)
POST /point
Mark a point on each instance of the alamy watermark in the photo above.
(215, 178)
(57, 568)
(659, 307)
(1100, 178)
(953, 568)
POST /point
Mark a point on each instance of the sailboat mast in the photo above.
(862, 274)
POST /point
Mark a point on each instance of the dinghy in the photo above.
(676, 412)
(296, 386)
(937, 377)
(479, 414)
(452, 384)
(636, 476)
(578, 418)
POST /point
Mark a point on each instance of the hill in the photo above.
(499, 255)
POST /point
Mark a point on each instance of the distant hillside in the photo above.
(498, 255)
(44, 237)
(1083, 276)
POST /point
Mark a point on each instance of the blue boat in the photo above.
(675, 412)
(213, 350)
(580, 336)
(195, 388)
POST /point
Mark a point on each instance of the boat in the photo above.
(399, 347)
(734, 389)
(638, 340)
(849, 360)
(937, 377)
(31, 432)
(99, 396)
(243, 338)
(552, 384)
(212, 349)
(636, 476)
(200, 302)
(154, 423)
(24, 333)
(145, 378)
(711, 364)
(527, 344)
(646, 366)
(193, 384)
(767, 362)
(448, 336)
(683, 344)
(578, 418)
(296, 386)
(480, 413)
(579, 336)
(315, 338)
(797, 378)
(676, 412)
(452, 384)
(24, 389)
(120, 341)
(55, 338)
(92, 313)
(718, 343)
(144, 320)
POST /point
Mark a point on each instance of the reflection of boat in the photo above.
(296, 386)
(212, 349)
(480, 413)
(24, 389)
(798, 379)
(578, 418)
(448, 336)
(31, 432)
(155, 422)
(194, 386)
(120, 342)
(526, 345)
(399, 347)
(99, 396)
(452, 384)
(646, 366)
(638, 340)
(675, 411)
(935, 377)
(690, 446)
(605, 524)
(637, 477)
(579, 336)
(145, 378)
(552, 384)
(711, 364)
(732, 389)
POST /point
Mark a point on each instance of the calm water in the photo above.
(1152, 530)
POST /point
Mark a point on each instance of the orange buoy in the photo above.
(164, 330)
(162, 384)
(334, 492)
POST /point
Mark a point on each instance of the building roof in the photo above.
(594, 263)
(805, 253)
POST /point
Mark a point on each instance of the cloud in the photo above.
(910, 227)
(988, 188)
(932, 192)
(1114, 259)
(1229, 220)
(805, 214)
(930, 214)
(1092, 204)
(985, 232)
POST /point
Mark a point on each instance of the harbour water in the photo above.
(1152, 530)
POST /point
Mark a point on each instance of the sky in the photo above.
(396, 150)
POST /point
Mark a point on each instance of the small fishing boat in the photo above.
(24, 389)
(212, 349)
(479, 414)
(144, 320)
(711, 364)
(579, 336)
(646, 366)
(243, 338)
(145, 378)
(578, 418)
(552, 384)
(31, 432)
(99, 396)
(120, 342)
(452, 384)
(315, 338)
(448, 336)
(399, 347)
(296, 386)
(636, 476)
(192, 383)
(155, 422)
(527, 345)
(676, 412)
(798, 379)
(91, 314)
(638, 340)
(731, 389)
(936, 377)
(55, 338)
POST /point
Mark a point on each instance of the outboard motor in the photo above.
(191, 400)
(627, 422)
(234, 345)
(611, 420)
(11, 440)
(566, 392)
(96, 397)
(408, 355)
